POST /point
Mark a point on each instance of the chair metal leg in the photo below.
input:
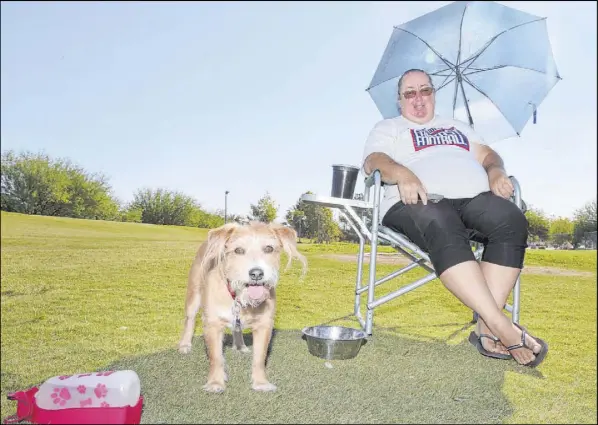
(359, 276)
(373, 253)
(516, 301)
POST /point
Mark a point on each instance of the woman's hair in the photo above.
(409, 71)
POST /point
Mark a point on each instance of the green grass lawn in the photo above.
(82, 295)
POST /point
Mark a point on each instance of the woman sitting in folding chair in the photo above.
(420, 153)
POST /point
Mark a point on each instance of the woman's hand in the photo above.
(500, 183)
(410, 187)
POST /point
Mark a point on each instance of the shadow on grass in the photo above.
(392, 380)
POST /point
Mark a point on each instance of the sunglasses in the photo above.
(410, 94)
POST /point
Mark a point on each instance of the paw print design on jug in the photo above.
(100, 389)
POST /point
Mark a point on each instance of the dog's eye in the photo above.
(239, 251)
(268, 249)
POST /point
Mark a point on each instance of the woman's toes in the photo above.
(523, 355)
(531, 342)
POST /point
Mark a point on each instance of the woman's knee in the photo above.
(520, 224)
(497, 218)
(507, 244)
(514, 227)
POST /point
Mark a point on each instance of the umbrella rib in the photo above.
(457, 70)
(445, 83)
(477, 70)
(491, 68)
(461, 34)
(443, 70)
(441, 73)
(474, 57)
(438, 73)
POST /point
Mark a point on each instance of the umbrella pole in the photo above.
(465, 99)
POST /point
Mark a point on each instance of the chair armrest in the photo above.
(374, 179)
(371, 179)
(516, 198)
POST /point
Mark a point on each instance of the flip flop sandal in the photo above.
(539, 356)
(476, 341)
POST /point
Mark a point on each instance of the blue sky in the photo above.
(255, 97)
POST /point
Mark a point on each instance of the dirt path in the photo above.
(384, 258)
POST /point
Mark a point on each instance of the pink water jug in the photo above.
(107, 397)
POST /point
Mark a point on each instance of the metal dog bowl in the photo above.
(333, 342)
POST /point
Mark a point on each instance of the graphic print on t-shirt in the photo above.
(428, 137)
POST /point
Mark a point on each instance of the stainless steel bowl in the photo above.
(333, 342)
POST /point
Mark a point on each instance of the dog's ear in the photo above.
(217, 239)
(288, 240)
(221, 234)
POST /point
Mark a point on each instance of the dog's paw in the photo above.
(185, 348)
(214, 387)
(264, 386)
(244, 349)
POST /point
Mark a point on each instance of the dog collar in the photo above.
(232, 293)
(236, 307)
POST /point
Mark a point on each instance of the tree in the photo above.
(561, 231)
(296, 219)
(161, 206)
(539, 226)
(205, 219)
(265, 210)
(313, 221)
(584, 222)
(37, 184)
(131, 214)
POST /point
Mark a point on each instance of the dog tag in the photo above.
(236, 315)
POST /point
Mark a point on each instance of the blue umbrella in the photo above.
(491, 65)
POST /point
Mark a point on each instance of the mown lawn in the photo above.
(83, 295)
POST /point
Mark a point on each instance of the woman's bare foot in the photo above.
(522, 355)
(487, 343)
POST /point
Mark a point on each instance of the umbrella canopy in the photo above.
(491, 65)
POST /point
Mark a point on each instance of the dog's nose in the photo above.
(256, 273)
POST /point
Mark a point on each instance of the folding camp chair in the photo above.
(374, 232)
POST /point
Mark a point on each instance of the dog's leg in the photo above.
(213, 335)
(192, 307)
(239, 342)
(261, 340)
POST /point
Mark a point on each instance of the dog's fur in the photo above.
(230, 254)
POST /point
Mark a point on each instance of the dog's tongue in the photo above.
(256, 292)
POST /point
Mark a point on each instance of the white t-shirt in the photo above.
(440, 153)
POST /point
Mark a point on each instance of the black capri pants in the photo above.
(444, 229)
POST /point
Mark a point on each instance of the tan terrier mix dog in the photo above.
(233, 280)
